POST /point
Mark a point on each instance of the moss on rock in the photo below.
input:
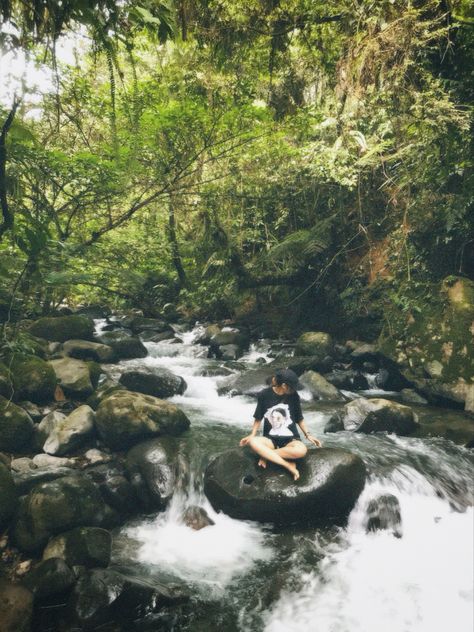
(33, 378)
(16, 426)
(62, 328)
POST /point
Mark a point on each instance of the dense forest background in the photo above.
(292, 163)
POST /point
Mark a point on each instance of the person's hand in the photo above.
(313, 440)
(245, 440)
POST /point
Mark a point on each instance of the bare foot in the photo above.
(262, 463)
(294, 470)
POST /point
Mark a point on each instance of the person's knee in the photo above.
(299, 450)
(253, 443)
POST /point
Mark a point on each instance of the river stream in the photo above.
(245, 576)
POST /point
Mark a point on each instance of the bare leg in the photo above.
(264, 448)
(294, 450)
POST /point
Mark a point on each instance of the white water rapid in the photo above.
(330, 580)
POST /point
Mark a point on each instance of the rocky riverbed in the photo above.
(126, 502)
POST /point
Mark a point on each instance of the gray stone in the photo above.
(47, 425)
(159, 382)
(86, 350)
(24, 464)
(384, 513)
(125, 345)
(71, 433)
(74, 377)
(320, 388)
(378, 415)
(196, 518)
(48, 461)
(125, 418)
(230, 352)
(330, 482)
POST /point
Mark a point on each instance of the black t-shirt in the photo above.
(280, 413)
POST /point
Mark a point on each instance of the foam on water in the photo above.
(421, 582)
(209, 558)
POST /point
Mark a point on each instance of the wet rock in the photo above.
(378, 415)
(320, 388)
(315, 343)
(152, 336)
(26, 481)
(84, 546)
(365, 352)
(300, 364)
(16, 427)
(72, 432)
(106, 595)
(52, 462)
(140, 324)
(106, 388)
(35, 412)
(62, 328)
(334, 423)
(207, 335)
(390, 378)
(33, 378)
(347, 380)
(8, 496)
(218, 371)
(76, 377)
(86, 350)
(16, 607)
(158, 382)
(48, 578)
(248, 383)
(59, 505)
(117, 491)
(383, 513)
(196, 518)
(95, 456)
(125, 345)
(331, 481)
(153, 471)
(125, 418)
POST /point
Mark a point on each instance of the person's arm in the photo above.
(255, 427)
(308, 435)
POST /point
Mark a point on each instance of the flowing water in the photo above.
(245, 576)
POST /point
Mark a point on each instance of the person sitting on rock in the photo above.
(279, 406)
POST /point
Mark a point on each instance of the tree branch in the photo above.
(8, 217)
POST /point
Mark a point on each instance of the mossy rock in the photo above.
(76, 378)
(62, 328)
(16, 427)
(6, 386)
(33, 378)
(441, 334)
(314, 343)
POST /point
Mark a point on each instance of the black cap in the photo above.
(289, 377)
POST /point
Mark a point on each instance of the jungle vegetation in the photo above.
(298, 162)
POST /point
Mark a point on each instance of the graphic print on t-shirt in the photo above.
(279, 418)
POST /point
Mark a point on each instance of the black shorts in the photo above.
(280, 442)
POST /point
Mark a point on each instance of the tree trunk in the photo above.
(175, 255)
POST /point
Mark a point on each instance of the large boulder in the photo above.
(103, 595)
(16, 607)
(315, 343)
(62, 328)
(320, 388)
(347, 379)
(47, 426)
(125, 345)
(84, 546)
(376, 415)
(330, 482)
(152, 466)
(116, 488)
(86, 350)
(230, 336)
(33, 378)
(159, 382)
(16, 427)
(71, 433)
(76, 377)
(8, 496)
(57, 506)
(125, 418)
